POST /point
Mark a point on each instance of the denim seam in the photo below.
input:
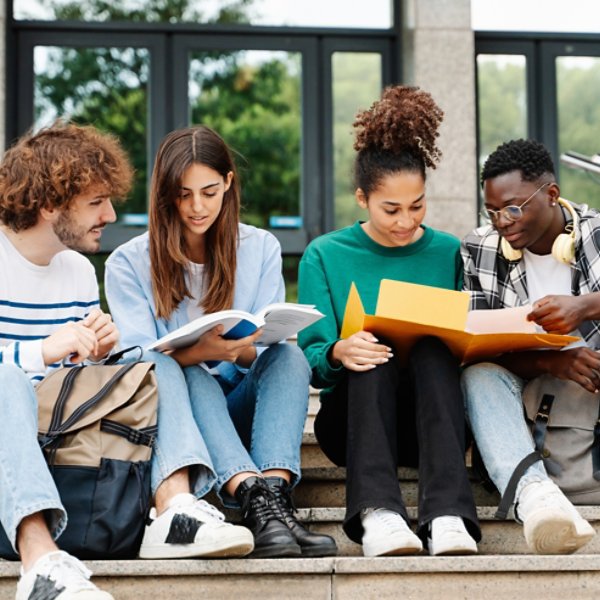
(189, 462)
(32, 509)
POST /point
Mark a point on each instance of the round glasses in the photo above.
(510, 213)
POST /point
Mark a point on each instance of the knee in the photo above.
(290, 358)
(431, 347)
(16, 389)
(484, 382)
(482, 376)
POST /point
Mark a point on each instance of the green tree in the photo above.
(578, 90)
(502, 98)
(108, 87)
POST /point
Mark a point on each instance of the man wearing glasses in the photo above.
(537, 249)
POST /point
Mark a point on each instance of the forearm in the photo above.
(530, 364)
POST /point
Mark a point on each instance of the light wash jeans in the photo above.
(493, 400)
(26, 486)
(256, 423)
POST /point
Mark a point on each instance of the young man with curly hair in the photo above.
(542, 250)
(55, 200)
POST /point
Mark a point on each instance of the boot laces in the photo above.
(263, 503)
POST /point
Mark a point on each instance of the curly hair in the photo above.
(50, 168)
(398, 133)
(529, 157)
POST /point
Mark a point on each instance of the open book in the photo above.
(406, 312)
(278, 321)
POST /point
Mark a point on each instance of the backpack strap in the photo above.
(540, 428)
(509, 493)
(141, 437)
(596, 448)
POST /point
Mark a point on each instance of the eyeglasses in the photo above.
(511, 213)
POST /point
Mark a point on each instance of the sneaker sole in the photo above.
(454, 551)
(555, 534)
(227, 549)
(385, 550)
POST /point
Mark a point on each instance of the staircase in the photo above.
(503, 569)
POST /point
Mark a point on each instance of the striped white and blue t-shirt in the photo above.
(36, 300)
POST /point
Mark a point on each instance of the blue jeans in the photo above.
(26, 486)
(493, 399)
(256, 423)
(179, 443)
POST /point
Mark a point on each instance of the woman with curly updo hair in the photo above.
(377, 414)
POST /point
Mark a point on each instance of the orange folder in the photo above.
(406, 312)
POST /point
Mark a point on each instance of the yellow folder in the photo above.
(406, 312)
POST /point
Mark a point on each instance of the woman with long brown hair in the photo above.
(197, 259)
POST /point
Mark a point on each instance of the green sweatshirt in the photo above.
(332, 262)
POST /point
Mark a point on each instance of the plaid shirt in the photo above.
(495, 282)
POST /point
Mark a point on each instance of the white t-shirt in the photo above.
(548, 276)
(36, 300)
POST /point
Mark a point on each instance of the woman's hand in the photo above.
(360, 352)
(213, 346)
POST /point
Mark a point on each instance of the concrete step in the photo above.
(346, 578)
(324, 486)
(498, 537)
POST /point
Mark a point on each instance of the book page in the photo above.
(191, 332)
(285, 320)
(501, 320)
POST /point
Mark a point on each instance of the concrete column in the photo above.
(2, 74)
(438, 56)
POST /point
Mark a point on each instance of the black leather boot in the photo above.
(262, 515)
(312, 544)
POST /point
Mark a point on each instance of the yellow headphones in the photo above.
(563, 248)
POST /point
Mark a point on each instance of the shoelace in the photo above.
(393, 521)
(209, 510)
(69, 572)
(263, 503)
(449, 524)
(285, 502)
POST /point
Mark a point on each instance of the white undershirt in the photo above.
(547, 276)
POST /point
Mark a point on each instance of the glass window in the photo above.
(577, 93)
(106, 87)
(356, 84)
(502, 98)
(535, 15)
(253, 100)
(316, 13)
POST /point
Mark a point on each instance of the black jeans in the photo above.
(390, 416)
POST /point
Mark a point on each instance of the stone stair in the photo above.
(504, 569)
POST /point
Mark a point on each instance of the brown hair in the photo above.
(398, 133)
(50, 168)
(168, 261)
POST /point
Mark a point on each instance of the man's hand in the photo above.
(74, 340)
(106, 332)
(360, 352)
(559, 314)
(581, 365)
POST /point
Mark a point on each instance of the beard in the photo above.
(74, 236)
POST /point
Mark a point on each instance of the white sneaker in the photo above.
(59, 576)
(193, 528)
(551, 523)
(387, 533)
(450, 536)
